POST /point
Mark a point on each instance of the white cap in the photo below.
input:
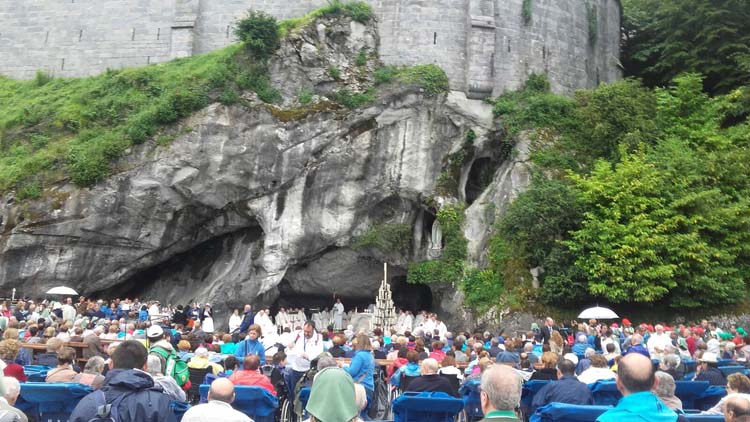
(154, 331)
(571, 357)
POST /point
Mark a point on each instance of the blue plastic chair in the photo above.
(426, 407)
(688, 391)
(710, 397)
(255, 402)
(690, 365)
(36, 373)
(723, 362)
(52, 401)
(729, 370)
(530, 388)
(472, 403)
(605, 393)
(561, 412)
(704, 418)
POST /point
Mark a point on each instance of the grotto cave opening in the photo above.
(480, 176)
(192, 275)
(414, 297)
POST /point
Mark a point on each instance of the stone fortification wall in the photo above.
(485, 46)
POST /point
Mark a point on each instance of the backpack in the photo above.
(381, 400)
(175, 367)
(106, 412)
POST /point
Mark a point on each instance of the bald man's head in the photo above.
(635, 373)
(221, 390)
(737, 409)
(251, 362)
(501, 389)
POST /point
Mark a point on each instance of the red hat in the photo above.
(650, 328)
(625, 321)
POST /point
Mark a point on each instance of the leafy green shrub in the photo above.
(90, 155)
(447, 184)
(352, 100)
(255, 78)
(305, 96)
(42, 78)
(356, 10)
(260, 33)
(533, 107)
(31, 190)
(387, 238)
(359, 11)
(429, 76)
(229, 97)
(481, 288)
(385, 74)
(142, 125)
(537, 82)
(335, 72)
(361, 58)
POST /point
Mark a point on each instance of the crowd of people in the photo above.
(139, 357)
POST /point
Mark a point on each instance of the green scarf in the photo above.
(332, 396)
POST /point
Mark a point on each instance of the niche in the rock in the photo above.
(393, 209)
(480, 176)
(413, 297)
(428, 220)
(291, 298)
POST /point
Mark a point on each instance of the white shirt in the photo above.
(214, 411)
(338, 309)
(234, 322)
(658, 341)
(593, 375)
(451, 370)
(713, 346)
(69, 313)
(304, 351)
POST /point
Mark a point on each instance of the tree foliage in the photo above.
(661, 213)
(663, 38)
(260, 33)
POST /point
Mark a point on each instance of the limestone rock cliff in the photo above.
(249, 205)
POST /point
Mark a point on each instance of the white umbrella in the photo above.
(62, 290)
(598, 312)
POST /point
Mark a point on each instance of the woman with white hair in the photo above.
(92, 373)
(665, 389)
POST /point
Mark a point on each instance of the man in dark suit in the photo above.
(547, 330)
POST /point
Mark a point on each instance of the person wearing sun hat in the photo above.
(708, 370)
(332, 397)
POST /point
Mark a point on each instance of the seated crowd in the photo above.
(141, 364)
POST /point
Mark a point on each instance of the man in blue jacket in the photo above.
(128, 389)
(636, 380)
(250, 346)
(247, 319)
